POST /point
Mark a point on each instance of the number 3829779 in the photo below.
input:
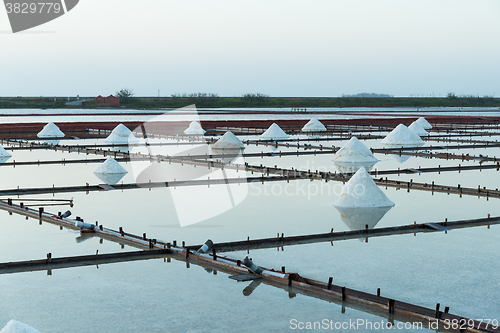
(31, 8)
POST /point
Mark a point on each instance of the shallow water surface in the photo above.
(456, 269)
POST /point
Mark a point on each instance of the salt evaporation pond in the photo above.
(158, 296)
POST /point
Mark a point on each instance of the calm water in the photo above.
(89, 115)
(457, 269)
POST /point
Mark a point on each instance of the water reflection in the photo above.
(84, 237)
(147, 171)
(229, 154)
(120, 149)
(4, 159)
(110, 178)
(357, 218)
(401, 158)
(313, 136)
(50, 142)
(353, 167)
(251, 287)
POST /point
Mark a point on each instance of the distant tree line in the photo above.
(260, 100)
(211, 100)
(365, 94)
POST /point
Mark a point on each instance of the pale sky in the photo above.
(275, 47)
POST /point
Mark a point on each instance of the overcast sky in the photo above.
(275, 47)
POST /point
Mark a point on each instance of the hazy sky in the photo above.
(276, 47)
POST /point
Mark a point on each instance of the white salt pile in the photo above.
(274, 132)
(50, 131)
(121, 135)
(424, 123)
(14, 326)
(314, 125)
(361, 191)
(194, 129)
(354, 151)
(110, 166)
(110, 171)
(4, 153)
(417, 129)
(401, 136)
(228, 141)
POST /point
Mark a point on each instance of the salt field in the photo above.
(11, 116)
(273, 184)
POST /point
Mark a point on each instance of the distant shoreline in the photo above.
(152, 103)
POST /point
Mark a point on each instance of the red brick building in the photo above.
(110, 100)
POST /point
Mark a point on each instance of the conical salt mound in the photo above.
(194, 129)
(110, 172)
(417, 129)
(274, 132)
(314, 125)
(354, 151)
(110, 166)
(14, 326)
(228, 141)
(401, 136)
(361, 191)
(4, 153)
(424, 123)
(121, 135)
(50, 131)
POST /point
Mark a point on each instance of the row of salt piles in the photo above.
(361, 202)
(49, 131)
(274, 132)
(402, 136)
(111, 172)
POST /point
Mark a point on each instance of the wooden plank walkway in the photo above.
(486, 144)
(278, 174)
(281, 240)
(458, 168)
(442, 156)
(375, 173)
(77, 261)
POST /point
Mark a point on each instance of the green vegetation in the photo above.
(125, 95)
(203, 100)
(259, 100)
(32, 102)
